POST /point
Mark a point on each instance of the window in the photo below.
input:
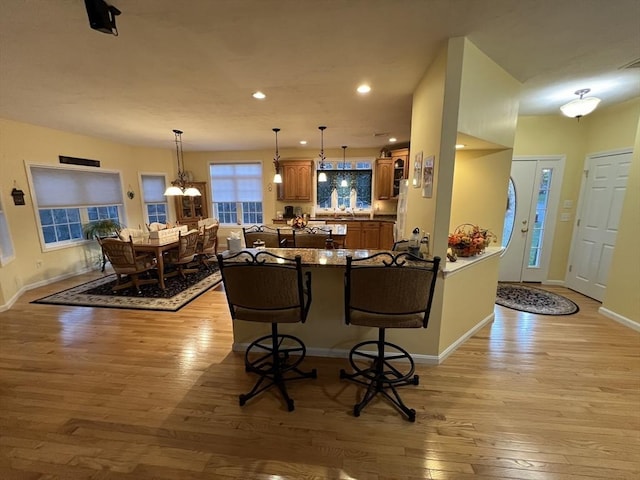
(542, 206)
(68, 198)
(155, 203)
(236, 191)
(6, 245)
(356, 194)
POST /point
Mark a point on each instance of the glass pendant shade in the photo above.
(322, 177)
(173, 191)
(192, 192)
(580, 106)
(277, 178)
(344, 183)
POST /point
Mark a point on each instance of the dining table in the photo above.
(157, 248)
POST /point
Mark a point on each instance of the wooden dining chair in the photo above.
(208, 245)
(270, 236)
(126, 263)
(185, 254)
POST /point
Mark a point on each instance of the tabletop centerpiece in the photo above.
(468, 240)
(298, 222)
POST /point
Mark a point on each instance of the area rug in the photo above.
(533, 300)
(98, 293)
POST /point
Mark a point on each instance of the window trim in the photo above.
(70, 244)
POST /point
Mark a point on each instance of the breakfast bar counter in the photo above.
(325, 333)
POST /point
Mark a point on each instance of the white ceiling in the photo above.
(193, 64)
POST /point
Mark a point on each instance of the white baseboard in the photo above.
(42, 283)
(627, 322)
(559, 283)
(417, 357)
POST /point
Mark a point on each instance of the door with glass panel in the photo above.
(532, 203)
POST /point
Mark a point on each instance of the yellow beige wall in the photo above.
(21, 144)
(623, 290)
(608, 129)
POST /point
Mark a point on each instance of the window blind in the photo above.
(6, 245)
(61, 187)
(153, 188)
(239, 182)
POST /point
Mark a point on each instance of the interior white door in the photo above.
(534, 202)
(597, 225)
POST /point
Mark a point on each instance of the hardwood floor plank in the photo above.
(120, 394)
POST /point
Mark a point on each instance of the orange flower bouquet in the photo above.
(468, 240)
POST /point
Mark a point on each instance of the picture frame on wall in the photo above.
(427, 176)
(417, 171)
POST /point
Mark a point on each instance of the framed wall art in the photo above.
(417, 171)
(427, 176)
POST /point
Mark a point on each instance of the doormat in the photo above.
(533, 300)
(179, 292)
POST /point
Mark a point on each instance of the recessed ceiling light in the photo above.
(393, 139)
(459, 146)
(303, 142)
(364, 88)
(259, 95)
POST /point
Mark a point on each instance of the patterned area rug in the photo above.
(98, 293)
(533, 300)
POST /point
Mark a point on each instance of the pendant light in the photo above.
(344, 182)
(179, 185)
(277, 178)
(580, 106)
(322, 177)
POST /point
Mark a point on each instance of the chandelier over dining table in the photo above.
(180, 185)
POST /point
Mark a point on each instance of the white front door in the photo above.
(534, 194)
(597, 225)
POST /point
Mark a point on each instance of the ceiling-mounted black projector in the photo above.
(102, 16)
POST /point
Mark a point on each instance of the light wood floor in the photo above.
(116, 394)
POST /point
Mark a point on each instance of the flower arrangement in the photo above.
(468, 240)
(298, 222)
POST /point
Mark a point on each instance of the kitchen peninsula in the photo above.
(325, 333)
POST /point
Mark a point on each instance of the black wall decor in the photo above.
(79, 161)
(18, 196)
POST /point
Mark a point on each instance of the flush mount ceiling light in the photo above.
(363, 88)
(460, 146)
(580, 106)
(277, 178)
(322, 177)
(344, 182)
(179, 185)
(259, 95)
(393, 140)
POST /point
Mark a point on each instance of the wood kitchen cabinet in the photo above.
(386, 235)
(191, 209)
(400, 161)
(384, 178)
(297, 176)
(370, 235)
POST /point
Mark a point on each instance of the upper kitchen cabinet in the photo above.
(384, 178)
(400, 160)
(390, 171)
(297, 177)
(191, 209)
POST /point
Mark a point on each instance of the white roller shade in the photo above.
(153, 188)
(61, 188)
(241, 182)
